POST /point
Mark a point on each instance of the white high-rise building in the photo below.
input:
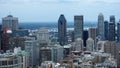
(101, 31)
(10, 22)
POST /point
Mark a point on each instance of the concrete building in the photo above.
(33, 50)
(17, 42)
(78, 26)
(90, 44)
(48, 64)
(79, 44)
(110, 47)
(43, 37)
(51, 53)
(92, 33)
(10, 22)
(101, 26)
(16, 59)
(62, 29)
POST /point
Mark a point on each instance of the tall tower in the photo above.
(101, 26)
(62, 30)
(106, 24)
(112, 28)
(78, 26)
(118, 31)
(10, 22)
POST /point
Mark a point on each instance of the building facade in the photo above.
(106, 25)
(78, 26)
(62, 30)
(17, 59)
(10, 22)
(101, 26)
(118, 31)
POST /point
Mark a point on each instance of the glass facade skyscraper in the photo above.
(106, 24)
(101, 26)
(112, 28)
(62, 30)
(78, 26)
(118, 31)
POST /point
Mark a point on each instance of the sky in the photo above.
(50, 10)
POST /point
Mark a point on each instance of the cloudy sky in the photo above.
(49, 10)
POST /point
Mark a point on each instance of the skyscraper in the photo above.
(112, 18)
(112, 28)
(10, 22)
(111, 31)
(101, 26)
(78, 26)
(62, 30)
(106, 24)
(118, 31)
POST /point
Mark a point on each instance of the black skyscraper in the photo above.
(112, 18)
(118, 31)
(85, 36)
(62, 30)
(112, 28)
(111, 31)
(106, 24)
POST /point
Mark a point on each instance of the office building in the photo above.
(92, 32)
(85, 37)
(90, 44)
(33, 50)
(106, 25)
(16, 59)
(43, 37)
(51, 53)
(118, 31)
(10, 22)
(78, 26)
(5, 42)
(111, 31)
(112, 18)
(48, 64)
(79, 46)
(0, 35)
(16, 42)
(101, 26)
(62, 30)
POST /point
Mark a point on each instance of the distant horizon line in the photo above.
(52, 22)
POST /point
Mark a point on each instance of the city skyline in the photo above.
(49, 10)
